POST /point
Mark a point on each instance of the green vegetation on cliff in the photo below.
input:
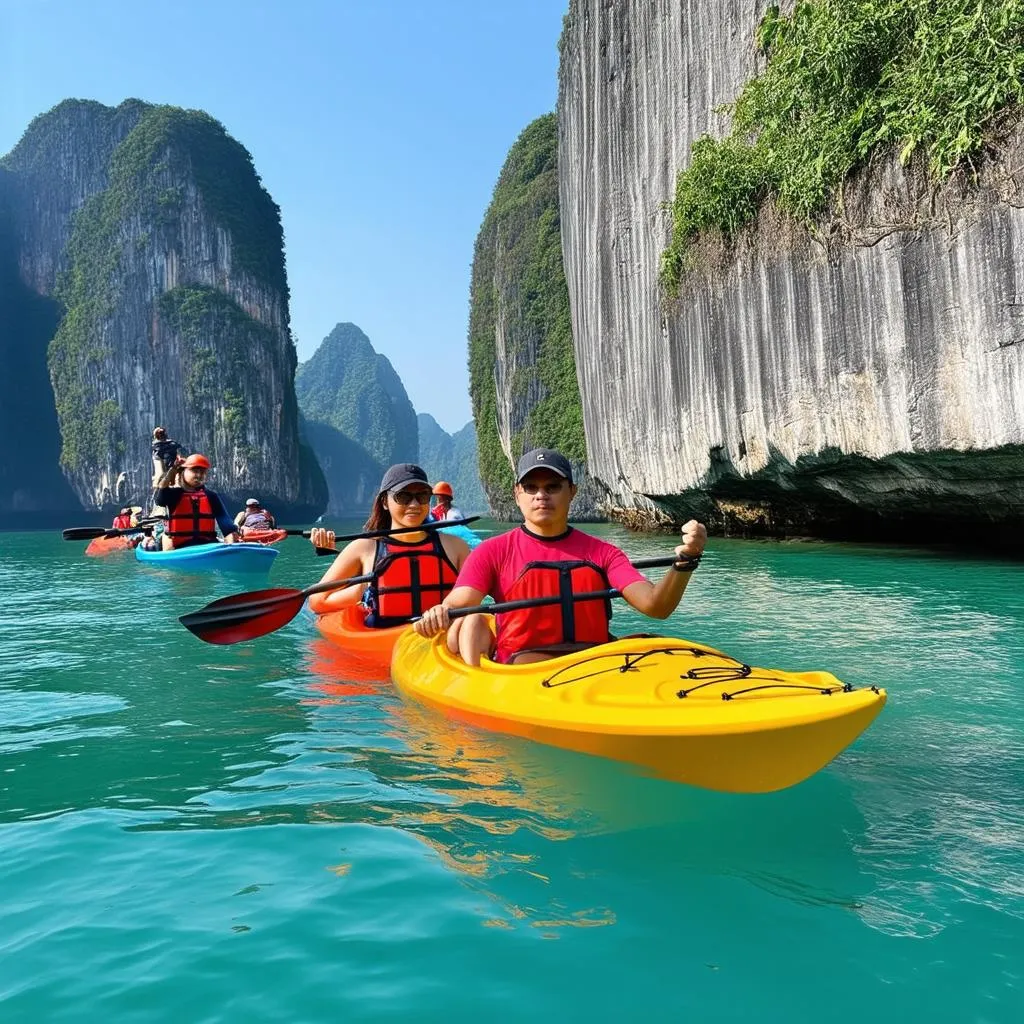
(170, 146)
(350, 387)
(168, 151)
(218, 333)
(844, 77)
(517, 266)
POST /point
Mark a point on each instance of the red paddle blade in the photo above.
(244, 616)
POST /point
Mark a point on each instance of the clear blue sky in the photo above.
(378, 126)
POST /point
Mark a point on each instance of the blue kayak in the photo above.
(463, 533)
(223, 557)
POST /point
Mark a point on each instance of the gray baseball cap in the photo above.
(543, 458)
(401, 475)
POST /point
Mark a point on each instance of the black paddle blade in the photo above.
(230, 620)
(83, 532)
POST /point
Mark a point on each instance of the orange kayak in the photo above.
(263, 536)
(347, 630)
(109, 545)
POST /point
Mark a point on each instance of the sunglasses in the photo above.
(410, 497)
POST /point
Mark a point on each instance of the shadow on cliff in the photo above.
(31, 483)
(935, 499)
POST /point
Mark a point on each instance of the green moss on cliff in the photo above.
(219, 335)
(170, 146)
(521, 234)
(150, 172)
(843, 78)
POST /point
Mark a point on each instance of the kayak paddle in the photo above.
(254, 613)
(539, 602)
(437, 524)
(92, 532)
(530, 602)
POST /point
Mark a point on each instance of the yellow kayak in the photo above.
(680, 710)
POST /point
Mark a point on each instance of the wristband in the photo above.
(686, 564)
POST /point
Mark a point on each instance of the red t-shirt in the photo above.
(495, 564)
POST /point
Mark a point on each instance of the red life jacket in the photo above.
(583, 622)
(438, 512)
(121, 523)
(192, 521)
(410, 579)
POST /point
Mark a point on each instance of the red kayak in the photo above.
(263, 536)
(110, 545)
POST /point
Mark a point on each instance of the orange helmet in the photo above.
(443, 489)
(197, 461)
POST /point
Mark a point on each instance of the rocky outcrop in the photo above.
(359, 419)
(452, 457)
(150, 227)
(522, 370)
(867, 373)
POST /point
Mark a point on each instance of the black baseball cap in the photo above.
(401, 475)
(543, 458)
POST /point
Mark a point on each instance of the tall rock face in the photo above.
(452, 457)
(150, 230)
(867, 373)
(358, 417)
(522, 370)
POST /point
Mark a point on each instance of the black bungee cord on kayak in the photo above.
(708, 675)
(633, 658)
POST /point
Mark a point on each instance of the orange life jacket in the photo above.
(192, 521)
(121, 523)
(584, 622)
(410, 579)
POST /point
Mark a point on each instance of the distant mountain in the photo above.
(349, 386)
(357, 417)
(452, 457)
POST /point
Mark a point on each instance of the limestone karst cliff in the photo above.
(358, 417)
(862, 371)
(522, 371)
(150, 230)
(452, 457)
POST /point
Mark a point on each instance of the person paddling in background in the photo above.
(123, 520)
(165, 452)
(443, 509)
(414, 570)
(193, 511)
(254, 517)
(540, 559)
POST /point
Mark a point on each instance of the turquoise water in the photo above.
(198, 833)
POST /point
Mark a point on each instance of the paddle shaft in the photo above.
(436, 524)
(530, 602)
(538, 602)
(92, 532)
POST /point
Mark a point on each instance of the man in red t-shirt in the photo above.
(541, 558)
